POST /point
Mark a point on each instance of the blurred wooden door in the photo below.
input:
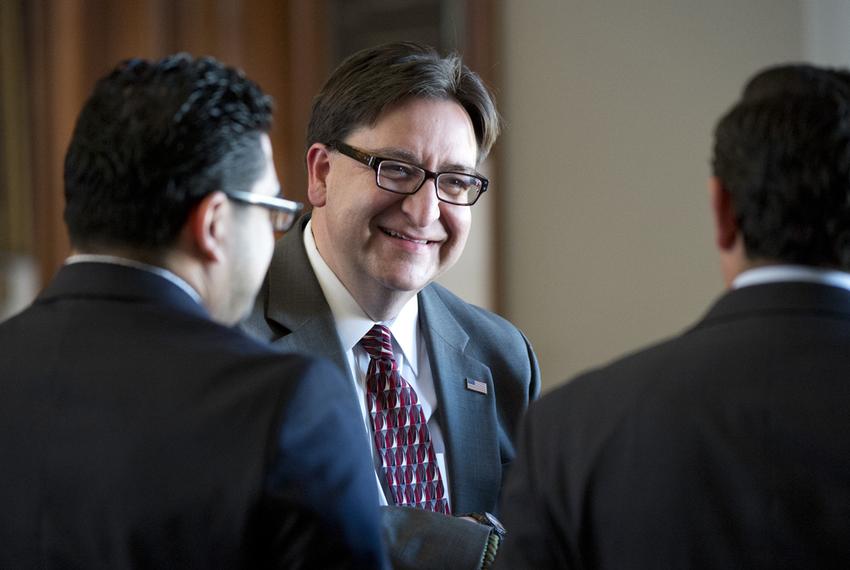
(287, 46)
(68, 44)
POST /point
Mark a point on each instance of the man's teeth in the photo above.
(404, 237)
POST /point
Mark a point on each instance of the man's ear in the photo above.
(207, 226)
(725, 225)
(318, 167)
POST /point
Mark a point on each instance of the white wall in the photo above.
(826, 32)
(610, 107)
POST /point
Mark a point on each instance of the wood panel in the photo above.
(282, 44)
(15, 202)
(287, 56)
(71, 43)
(55, 84)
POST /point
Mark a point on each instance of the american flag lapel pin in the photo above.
(476, 385)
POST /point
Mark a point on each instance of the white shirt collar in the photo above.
(162, 272)
(351, 320)
(779, 273)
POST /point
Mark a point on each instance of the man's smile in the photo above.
(406, 237)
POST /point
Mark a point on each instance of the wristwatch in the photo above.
(497, 534)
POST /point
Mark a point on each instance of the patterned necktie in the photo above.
(401, 433)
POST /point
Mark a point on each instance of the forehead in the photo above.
(433, 131)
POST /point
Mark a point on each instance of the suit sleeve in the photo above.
(321, 469)
(419, 539)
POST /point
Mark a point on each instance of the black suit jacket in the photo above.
(137, 433)
(465, 343)
(727, 447)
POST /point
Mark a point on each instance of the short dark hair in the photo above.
(152, 140)
(374, 79)
(783, 154)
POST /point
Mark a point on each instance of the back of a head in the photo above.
(783, 154)
(153, 139)
(374, 79)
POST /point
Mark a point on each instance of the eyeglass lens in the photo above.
(454, 187)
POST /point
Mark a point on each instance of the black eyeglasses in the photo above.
(283, 212)
(458, 188)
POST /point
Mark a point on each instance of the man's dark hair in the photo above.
(374, 79)
(783, 154)
(152, 140)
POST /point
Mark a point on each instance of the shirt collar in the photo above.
(780, 273)
(114, 259)
(351, 320)
(404, 328)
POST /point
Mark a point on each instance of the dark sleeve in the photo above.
(322, 471)
(532, 541)
(419, 540)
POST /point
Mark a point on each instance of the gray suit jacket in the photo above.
(464, 342)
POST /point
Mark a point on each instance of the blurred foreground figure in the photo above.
(728, 446)
(139, 429)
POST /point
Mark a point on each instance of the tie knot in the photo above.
(378, 342)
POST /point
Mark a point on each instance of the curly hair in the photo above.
(783, 154)
(153, 139)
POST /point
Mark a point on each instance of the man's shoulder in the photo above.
(711, 348)
(229, 356)
(232, 357)
(470, 316)
(652, 364)
(232, 343)
(665, 374)
(290, 292)
(490, 338)
(157, 341)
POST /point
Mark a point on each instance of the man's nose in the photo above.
(423, 207)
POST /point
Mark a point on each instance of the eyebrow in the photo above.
(407, 156)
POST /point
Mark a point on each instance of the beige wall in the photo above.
(610, 106)
(826, 31)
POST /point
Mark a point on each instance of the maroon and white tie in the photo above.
(400, 431)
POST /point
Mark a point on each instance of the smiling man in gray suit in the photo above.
(393, 148)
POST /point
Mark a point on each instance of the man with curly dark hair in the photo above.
(140, 430)
(726, 447)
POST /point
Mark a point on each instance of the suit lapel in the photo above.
(467, 416)
(295, 302)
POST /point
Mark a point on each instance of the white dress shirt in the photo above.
(785, 273)
(409, 350)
